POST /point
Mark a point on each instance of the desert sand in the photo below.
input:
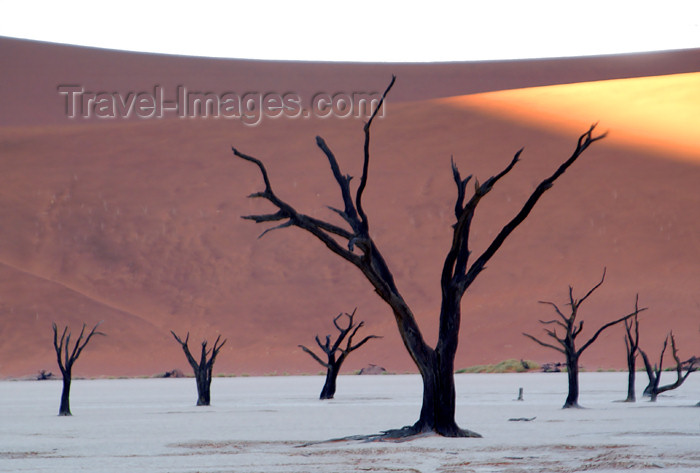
(136, 223)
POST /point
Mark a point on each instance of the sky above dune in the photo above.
(363, 30)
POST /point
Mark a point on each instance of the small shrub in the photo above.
(506, 366)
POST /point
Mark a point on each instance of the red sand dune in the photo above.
(136, 222)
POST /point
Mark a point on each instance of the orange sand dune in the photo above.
(137, 222)
(658, 113)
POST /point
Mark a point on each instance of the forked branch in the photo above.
(654, 388)
(65, 355)
(354, 244)
(566, 343)
(455, 270)
(334, 352)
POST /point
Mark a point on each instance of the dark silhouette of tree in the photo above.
(632, 346)
(44, 375)
(202, 369)
(353, 242)
(67, 356)
(335, 353)
(653, 389)
(566, 344)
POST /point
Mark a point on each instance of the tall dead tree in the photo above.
(566, 343)
(202, 369)
(632, 346)
(335, 353)
(653, 389)
(67, 356)
(353, 242)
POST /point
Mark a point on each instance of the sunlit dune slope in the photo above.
(659, 113)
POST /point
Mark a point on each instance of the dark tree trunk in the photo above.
(631, 367)
(653, 395)
(64, 409)
(438, 410)
(203, 388)
(328, 390)
(436, 366)
(632, 346)
(572, 373)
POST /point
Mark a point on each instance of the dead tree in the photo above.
(202, 369)
(66, 357)
(632, 346)
(335, 353)
(653, 389)
(352, 242)
(566, 344)
(44, 375)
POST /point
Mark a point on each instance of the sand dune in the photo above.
(34, 70)
(136, 222)
(657, 113)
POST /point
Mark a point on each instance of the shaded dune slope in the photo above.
(137, 224)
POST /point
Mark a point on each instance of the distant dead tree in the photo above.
(653, 389)
(66, 358)
(352, 242)
(566, 343)
(632, 346)
(335, 353)
(202, 369)
(44, 375)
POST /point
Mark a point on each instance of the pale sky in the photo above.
(374, 30)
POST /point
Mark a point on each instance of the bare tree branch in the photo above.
(203, 368)
(365, 165)
(314, 356)
(335, 354)
(680, 378)
(584, 141)
(567, 342)
(544, 344)
(186, 349)
(609, 324)
(602, 279)
(71, 355)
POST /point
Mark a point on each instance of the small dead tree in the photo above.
(653, 389)
(335, 353)
(632, 346)
(566, 344)
(44, 375)
(352, 242)
(202, 369)
(67, 356)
